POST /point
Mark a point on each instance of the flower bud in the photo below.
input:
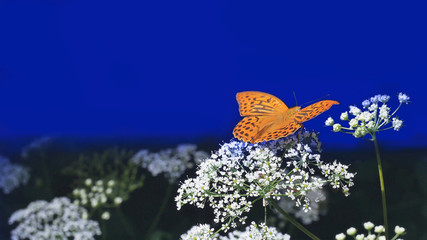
(368, 225)
(351, 231)
(336, 127)
(329, 121)
(399, 230)
(340, 236)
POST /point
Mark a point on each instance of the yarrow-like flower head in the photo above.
(374, 118)
(170, 162)
(252, 232)
(58, 219)
(239, 174)
(12, 175)
(377, 234)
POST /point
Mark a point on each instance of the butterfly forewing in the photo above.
(252, 103)
(313, 110)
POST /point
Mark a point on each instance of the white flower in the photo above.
(368, 225)
(58, 219)
(366, 103)
(397, 124)
(88, 182)
(351, 231)
(381, 238)
(255, 232)
(355, 110)
(384, 98)
(240, 172)
(360, 237)
(353, 123)
(399, 230)
(403, 98)
(344, 116)
(365, 116)
(336, 127)
(384, 112)
(317, 198)
(111, 183)
(329, 121)
(12, 175)
(105, 215)
(379, 229)
(200, 232)
(170, 162)
(118, 200)
(340, 236)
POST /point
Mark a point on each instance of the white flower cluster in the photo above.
(239, 174)
(97, 194)
(12, 175)
(252, 232)
(171, 162)
(376, 234)
(373, 119)
(200, 232)
(58, 219)
(318, 207)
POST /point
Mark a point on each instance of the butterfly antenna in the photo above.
(295, 96)
(315, 100)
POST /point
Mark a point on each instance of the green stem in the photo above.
(293, 221)
(380, 172)
(126, 223)
(103, 230)
(45, 169)
(160, 212)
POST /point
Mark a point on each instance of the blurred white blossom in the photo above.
(12, 175)
(170, 162)
(101, 194)
(58, 219)
(318, 207)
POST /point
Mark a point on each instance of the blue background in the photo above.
(171, 69)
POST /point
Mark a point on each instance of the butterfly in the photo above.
(267, 118)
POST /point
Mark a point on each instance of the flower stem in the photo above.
(380, 172)
(160, 212)
(293, 221)
(125, 223)
(103, 230)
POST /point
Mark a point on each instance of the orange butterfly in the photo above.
(267, 118)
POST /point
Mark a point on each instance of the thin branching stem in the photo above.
(160, 211)
(293, 221)
(380, 172)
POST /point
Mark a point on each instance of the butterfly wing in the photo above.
(313, 110)
(252, 103)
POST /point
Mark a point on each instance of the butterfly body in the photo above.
(267, 118)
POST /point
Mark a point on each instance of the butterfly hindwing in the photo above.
(250, 127)
(252, 103)
(275, 134)
(313, 110)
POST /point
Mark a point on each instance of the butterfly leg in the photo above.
(300, 131)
